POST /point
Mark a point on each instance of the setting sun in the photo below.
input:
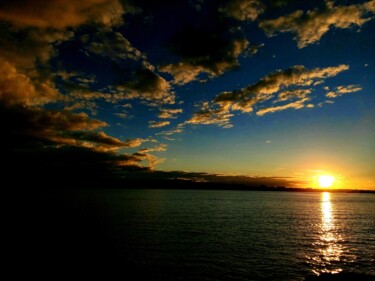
(326, 181)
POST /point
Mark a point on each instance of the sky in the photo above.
(276, 92)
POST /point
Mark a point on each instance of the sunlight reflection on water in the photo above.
(329, 245)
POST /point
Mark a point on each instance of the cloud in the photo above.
(62, 143)
(17, 88)
(138, 157)
(100, 141)
(274, 86)
(47, 123)
(182, 72)
(310, 26)
(244, 99)
(40, 46)
(204, 51)
(159, 148)
(169, 113)
(341, 90)
(158, 124)
(296, 105)
(208, 115)
(242, 9)
(123, 115)
(147, 85)
(288, 95)
(178, 130)
(108, 43)
(60, 14)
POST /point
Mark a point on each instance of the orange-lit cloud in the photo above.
(177, 130)
(18, 89)
(242, 9)
(158, 124)
(207, 116)
(158, 148)
(272, 86)
(169, 113)
(296, 105)
(309, 27)
(60, 14)
(342, 90)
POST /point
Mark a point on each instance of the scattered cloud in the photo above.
(158, 124)
(296, 105)
(183, 73)
(274, 86)
(147, 85)
(108, 43)
(171, 132)
(136, 158)
(159, 148)
(209, 114)
(242, 9)
(169, 113)
(310, 26)
(288, 95)
(341, 90)
(123, 115)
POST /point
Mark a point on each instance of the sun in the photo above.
(326, 181)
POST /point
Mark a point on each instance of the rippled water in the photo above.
(230, 235)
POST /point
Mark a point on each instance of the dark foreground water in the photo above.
(193, 235)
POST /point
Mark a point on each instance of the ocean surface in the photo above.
(196, 235)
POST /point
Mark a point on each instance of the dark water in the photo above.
(197, 235)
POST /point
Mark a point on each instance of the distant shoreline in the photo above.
(177, 184)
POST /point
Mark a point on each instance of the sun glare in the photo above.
(326, 181)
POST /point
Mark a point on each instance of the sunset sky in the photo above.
(280, 90)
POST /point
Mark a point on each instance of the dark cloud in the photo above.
(206, 43)
(112, 44)
(204, 51)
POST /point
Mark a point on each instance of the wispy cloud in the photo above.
(158, 124)
(159, 148)
(296, 105)
(177, 130)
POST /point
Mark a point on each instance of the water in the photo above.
(209, 235)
